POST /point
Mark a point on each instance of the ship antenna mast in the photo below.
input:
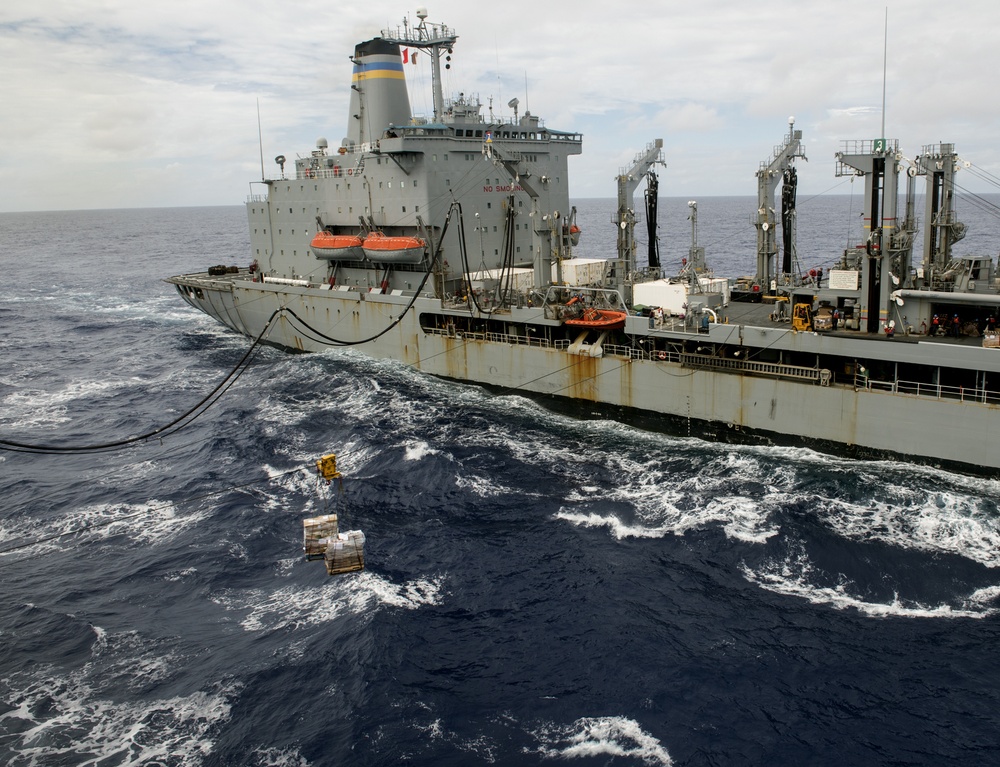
(260, 141)
(437, 40)
(885, 58)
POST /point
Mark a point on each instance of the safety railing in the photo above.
(933, 391)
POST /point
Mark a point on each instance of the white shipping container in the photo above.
(521, 279)
(669, 296)
(582, 271)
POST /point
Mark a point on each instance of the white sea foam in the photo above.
(278, 414)
(740, 518)
(152, 522)
(795, 576)
(352, 594)
(665, 504)
(65, 718)
(415, 451)
(29, 408)
(960, 519)
(618, 528)
(179, 575)
(482, 747)
(276, 757)
(604, 736)
(488, 486)
(937, 522)
(304, 482)
(130, 656)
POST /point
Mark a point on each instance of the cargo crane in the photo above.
(623, 268)
(780, 168)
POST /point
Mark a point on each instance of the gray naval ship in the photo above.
(446, 243)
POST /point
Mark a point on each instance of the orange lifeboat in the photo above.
(384, 249)
(337, 247)
(599, 319)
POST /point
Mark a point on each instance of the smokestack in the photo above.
(378, 91)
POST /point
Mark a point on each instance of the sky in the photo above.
(127, 103)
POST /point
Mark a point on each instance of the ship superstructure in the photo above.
(445, 242)
(401, 175)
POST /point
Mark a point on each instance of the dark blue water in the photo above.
(539, 589)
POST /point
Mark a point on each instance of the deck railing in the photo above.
(769, 369)
(935, 391)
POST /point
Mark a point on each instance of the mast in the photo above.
(939, 162)
(694, 265)
(437, 40)
(767, 183)
(884, 256)
(628, 181)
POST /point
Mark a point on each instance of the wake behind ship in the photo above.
(446, 243)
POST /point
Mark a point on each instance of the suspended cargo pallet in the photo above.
(345, 553)
(316, 533)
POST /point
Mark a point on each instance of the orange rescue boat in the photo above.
(600, 319)
(384, 249)
(337, 247)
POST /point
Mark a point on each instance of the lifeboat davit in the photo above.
(599, 319)
(337, 247)
(384, 249)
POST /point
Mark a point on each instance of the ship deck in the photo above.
(759, 315)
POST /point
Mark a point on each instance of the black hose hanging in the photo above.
(791, 180)
(505, 281)
(652, 198)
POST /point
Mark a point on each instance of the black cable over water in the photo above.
(171, 428)
(213, 396)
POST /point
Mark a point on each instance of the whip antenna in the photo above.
(260, 139)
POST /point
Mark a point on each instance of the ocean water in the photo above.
(539, 589)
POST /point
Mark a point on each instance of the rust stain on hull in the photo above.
(583, 383)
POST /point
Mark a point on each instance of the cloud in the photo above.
(114, 93)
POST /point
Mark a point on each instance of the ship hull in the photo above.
(730, 406)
